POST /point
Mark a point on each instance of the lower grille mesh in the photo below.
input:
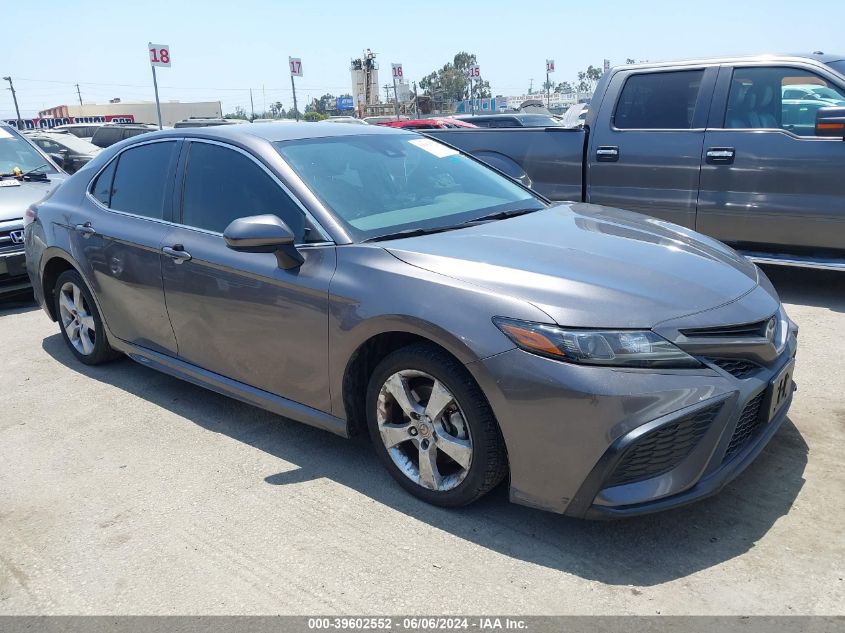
(750, 421)
(661, 450)
(736, 367)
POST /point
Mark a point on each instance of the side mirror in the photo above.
(830, 122)
(58, 159)
(264, 234)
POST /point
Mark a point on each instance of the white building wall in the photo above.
(145, 111)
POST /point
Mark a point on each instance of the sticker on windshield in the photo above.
(5, 134)
(434, 148)
(9, 183)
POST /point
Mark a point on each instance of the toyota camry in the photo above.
(355, 278)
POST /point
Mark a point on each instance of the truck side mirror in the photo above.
(830, 122)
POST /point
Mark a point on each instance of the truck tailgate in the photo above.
(549, 160)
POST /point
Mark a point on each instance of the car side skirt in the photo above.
(232, 388)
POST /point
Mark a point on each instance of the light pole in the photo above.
(15, 99)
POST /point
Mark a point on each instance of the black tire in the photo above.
(102, 352)
(489, 459)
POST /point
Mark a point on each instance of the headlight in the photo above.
(613, 348)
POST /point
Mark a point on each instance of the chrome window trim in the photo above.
(100, 205)
(91, 198)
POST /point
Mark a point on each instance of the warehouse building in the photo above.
(139, 111)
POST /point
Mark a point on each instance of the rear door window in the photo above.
(106, 136)
(141, 179)
(658, 101)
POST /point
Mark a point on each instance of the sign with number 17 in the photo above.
(159, 54)
(295, 64)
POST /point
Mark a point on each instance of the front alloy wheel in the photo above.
(432, 426)
(423, 429)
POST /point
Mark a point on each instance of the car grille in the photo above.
(661, 450)
(746, 330)
(735, 366)
(750, 422)
(7, 244)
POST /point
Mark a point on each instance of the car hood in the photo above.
(588, 266)
(15, 200)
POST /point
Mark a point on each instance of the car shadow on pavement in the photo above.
(640, 551)
(17, 304)
(819, 288)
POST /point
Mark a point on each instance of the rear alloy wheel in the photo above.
(81, 325)
(433, 427)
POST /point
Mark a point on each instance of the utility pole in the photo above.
(79, 94)
(15, 99)
(548, 94)
(416, 102)
(251, 106)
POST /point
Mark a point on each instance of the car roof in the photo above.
(272, 132)
(816, 56)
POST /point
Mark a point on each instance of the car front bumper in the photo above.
(581, 440)
(13, 277)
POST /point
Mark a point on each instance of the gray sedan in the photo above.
(605, 363)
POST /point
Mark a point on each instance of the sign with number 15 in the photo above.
(159, 54)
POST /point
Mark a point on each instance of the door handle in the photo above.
(720, 155)
(607, 154)
(177, 253)
(86, 229)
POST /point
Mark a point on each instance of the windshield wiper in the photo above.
(501, 215)
(411, 233)
(30, 175)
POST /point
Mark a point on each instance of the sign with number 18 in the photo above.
(159, 54)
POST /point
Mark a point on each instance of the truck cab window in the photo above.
(658, 101)
(779, 98)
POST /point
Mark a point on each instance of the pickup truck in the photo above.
(747, 150)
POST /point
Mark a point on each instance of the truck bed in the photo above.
(548, 160)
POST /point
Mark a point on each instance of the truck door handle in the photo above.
(720, 155)
(177, 253)
(607, 154)
(86, 229)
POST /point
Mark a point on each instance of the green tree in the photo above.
(450, 83)
(565, 87)
(276, 109)
(588, 78)
(239, 113)
(313, 115)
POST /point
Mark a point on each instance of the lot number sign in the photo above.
(159, 54)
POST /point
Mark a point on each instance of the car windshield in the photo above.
(16, 152)
(73, 143)
(383, 184)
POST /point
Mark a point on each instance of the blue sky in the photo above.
(221, 49)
